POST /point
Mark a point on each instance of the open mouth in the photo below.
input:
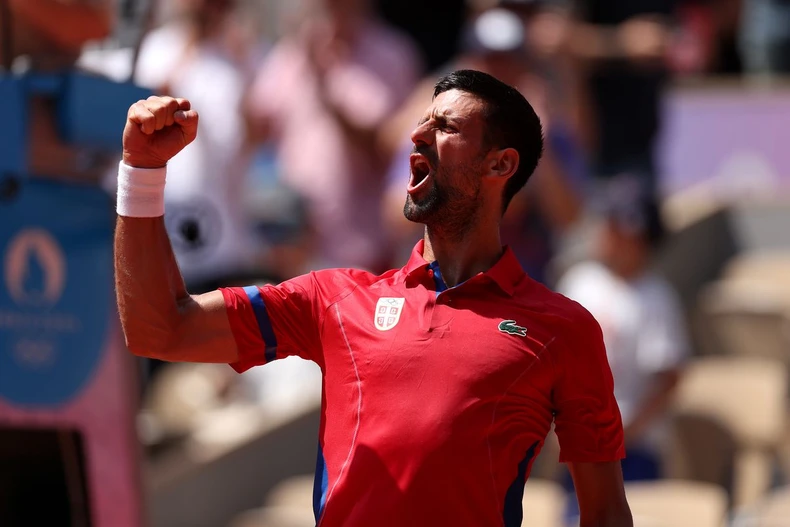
(421, 171)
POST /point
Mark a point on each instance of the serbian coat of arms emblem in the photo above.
(388, 312)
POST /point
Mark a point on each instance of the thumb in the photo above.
(186, 119)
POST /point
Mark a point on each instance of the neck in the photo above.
(461, 258)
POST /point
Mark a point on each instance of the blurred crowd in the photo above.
(301, 161)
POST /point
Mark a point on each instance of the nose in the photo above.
(422, 135)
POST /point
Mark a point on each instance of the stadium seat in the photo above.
(294, 492)
(287, 504)
(700, 448)
(774, 511)
(177, 397)
(275, 517)
(767, 266)
(543, 504)
(747, 397)
(749, 317)
(771, 511)
(675, 503)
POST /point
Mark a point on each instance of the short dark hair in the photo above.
(511, 122)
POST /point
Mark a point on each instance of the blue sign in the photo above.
(56, 290)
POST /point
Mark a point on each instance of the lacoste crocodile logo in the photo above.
(510, 327)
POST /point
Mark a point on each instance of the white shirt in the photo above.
(642, 328)
(205, 181)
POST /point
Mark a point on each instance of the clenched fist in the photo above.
(156, 130)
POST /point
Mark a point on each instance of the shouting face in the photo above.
(447, 163)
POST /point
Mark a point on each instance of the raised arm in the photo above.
(159, 317)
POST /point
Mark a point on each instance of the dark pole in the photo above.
(6, 35)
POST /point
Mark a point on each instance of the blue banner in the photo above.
(56, 290)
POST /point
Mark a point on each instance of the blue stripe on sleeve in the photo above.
(264, 324)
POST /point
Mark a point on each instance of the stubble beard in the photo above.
(446, 210)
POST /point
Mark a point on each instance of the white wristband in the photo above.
(141, 191)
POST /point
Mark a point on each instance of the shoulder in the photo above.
(561, 314)
(553, 305)
(335, 284)
(577, 343)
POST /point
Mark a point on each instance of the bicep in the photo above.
(274, 321)
(204, 333)
(600, 492)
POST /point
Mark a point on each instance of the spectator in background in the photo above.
(321, 95)
(494, 42)
(546, 28)
(765, 37)
(641, 319)
(623, 46)
(204, 54)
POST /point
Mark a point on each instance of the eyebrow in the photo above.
(441, 118)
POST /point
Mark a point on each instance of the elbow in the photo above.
(147, 345)
(149, 331)
(147, 340)
(141, 349)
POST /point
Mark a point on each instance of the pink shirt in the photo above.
(342, 186)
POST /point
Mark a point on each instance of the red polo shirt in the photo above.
(435, 401)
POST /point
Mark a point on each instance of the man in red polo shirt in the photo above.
(441, 379)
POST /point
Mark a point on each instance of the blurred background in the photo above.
(662, 205)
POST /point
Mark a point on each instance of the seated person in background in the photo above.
(642, 323)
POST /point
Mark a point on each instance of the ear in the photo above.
(503, 163)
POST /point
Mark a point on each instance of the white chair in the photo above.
(775, 509)
(748, 317)
(274, 517)
(748, 397)
(294, 492)
(674, 503)
(543, 503)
